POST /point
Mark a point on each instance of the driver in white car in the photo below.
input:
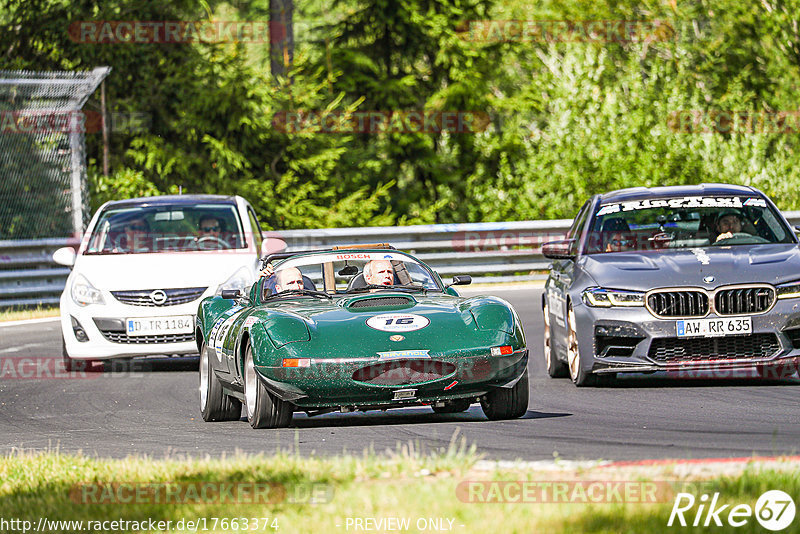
(209, 235)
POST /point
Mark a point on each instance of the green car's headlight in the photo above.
(600, 297)
(789, 291)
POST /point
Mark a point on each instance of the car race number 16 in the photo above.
(398, 322)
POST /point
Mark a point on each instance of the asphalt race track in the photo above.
(152, 408)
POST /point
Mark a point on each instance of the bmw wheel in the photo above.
(555, 367)
(579, 377)
(264, 410)
(215, 405)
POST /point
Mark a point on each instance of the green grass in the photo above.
(15, 314)
(403, 484)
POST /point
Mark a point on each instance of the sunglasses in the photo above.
(137, 228)
(621, 242)
(210, 228)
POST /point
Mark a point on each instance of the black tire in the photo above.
(214, 404)
(555, 367)
(576, 372)
(454, 406)
(507, 403)
(264, 410)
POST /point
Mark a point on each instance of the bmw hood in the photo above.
(161, 271)
(641, 271)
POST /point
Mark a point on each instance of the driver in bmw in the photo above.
(729, 223)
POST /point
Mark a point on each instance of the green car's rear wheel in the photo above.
(215, 405)
(507, 403)
(454, 406)
(264, 410)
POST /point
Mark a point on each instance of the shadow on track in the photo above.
(405, 416)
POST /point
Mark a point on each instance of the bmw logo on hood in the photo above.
(709, 279)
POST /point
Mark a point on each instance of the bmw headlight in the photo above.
(239, 280)
(789, 291)
(84, 293)
(600, 297)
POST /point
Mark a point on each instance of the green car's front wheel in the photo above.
(214, 404)
(507, 403)
(264, 410)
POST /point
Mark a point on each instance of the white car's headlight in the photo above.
(240, 280)
(605, 298)
(84, 293)
(789, 291)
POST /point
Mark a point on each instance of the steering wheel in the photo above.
(741, 235)
(211, 239)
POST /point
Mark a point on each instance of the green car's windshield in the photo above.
(351, 272)
(684, 222)
(167, 228)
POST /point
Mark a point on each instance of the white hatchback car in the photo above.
(143, 266)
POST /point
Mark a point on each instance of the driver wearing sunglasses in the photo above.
(209, 235)
(619, 243)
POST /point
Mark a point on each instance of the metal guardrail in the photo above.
(490, 252)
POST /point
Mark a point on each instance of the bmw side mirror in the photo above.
(462, 280)
(231, 294)
(559, 250)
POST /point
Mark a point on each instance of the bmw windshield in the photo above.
(685, 222)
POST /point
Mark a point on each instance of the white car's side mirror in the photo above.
(271, 245)
(64, 256)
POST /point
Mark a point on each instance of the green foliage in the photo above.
(569, 119)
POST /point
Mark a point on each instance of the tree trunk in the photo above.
(281, 42)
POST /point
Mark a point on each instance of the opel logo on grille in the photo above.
(158, 297)
(708, 279)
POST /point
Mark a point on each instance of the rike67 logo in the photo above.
(774, 510)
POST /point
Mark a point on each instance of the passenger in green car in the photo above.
(379, 273)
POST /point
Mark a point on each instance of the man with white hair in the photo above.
(288, 279)
(379, 273)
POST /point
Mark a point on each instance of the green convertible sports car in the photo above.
(356, 328)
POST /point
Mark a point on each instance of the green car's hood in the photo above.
(359, 326)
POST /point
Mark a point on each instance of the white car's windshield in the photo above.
(167, 228)
(683, 222)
